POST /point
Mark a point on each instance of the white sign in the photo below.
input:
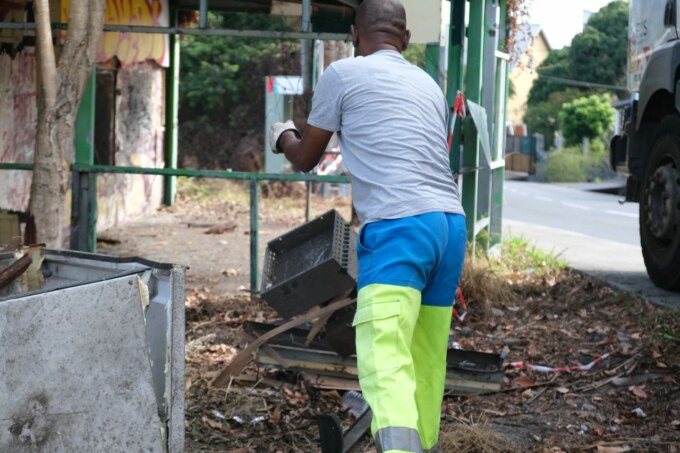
(423, 18)
(285, 85)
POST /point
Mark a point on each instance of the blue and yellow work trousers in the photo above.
(408, 275)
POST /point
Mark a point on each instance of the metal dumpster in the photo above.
(94, 360)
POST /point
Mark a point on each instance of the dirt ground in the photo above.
(532, 310)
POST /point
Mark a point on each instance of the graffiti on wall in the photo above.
(131, 48)
(18, 115)
(139, 109)
(12, 41)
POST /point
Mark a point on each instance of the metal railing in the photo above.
(84, 199)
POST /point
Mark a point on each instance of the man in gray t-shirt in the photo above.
(391, 119)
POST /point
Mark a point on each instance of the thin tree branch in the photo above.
(75, 36)
(47, 64)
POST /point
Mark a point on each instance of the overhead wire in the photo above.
(581, 83)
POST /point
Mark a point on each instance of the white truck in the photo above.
(650, 140)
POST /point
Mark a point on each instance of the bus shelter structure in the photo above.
(470, 60)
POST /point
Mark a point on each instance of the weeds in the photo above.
(667, 326)
(474, 438)
(520, 256)
(208, 189)
(492, 281)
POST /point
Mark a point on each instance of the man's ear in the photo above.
(405, 40)
(355, 36)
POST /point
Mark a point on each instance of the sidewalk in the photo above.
(618, 264)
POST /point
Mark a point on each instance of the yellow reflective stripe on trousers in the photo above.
(401, 356)
(385, 319)
(397, 439)
(428, 348)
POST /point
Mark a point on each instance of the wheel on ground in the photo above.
(660, 206)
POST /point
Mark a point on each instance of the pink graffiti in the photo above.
(24, 125)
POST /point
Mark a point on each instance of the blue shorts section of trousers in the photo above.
(425, 252)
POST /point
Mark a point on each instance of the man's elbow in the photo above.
(304, 162)
(307, 166)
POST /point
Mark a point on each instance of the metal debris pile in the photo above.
(310, 278)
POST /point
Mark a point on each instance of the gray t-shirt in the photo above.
(391, 118)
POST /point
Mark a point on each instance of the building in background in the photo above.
(129, 89)
(533, 48)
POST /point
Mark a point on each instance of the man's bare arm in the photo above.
(305, 153)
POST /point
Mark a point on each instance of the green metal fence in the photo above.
(84, 199)
(483, 77)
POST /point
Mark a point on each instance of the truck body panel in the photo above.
(645, 35)
(659, 74)
(650, 142)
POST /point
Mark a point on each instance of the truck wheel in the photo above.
(660, 206)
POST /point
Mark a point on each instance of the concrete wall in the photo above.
(523, 76)
(139, 129)
(139, 111)
(18, 114)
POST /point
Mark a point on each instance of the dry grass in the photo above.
(483, 286)
(474, 438)
(279, 201)
(493, 281)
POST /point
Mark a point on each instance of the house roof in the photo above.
(524, 39)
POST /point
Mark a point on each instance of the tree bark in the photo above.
(60, 87)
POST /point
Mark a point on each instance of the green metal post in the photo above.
(308, 201)
(432, 60)
(203, 14)
(85, 122)
(84, 212)
(171, 108)
(490, 96)
(84, 185)
(454, 82)
(473, 92)
(254, 231)
(502, 93)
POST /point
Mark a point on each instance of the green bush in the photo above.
(587, 117)
(571, 165)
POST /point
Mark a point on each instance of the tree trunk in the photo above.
(60, 87)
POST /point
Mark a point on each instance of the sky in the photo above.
(561, 23)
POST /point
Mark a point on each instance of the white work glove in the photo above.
(277, 130)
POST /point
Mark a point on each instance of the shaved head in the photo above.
(380, 25)
(387, 16)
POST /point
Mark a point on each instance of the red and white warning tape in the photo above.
(547, 369)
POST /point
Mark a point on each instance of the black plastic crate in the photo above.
(310, 265)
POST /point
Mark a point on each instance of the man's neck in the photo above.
(380, 42)
(381, 48)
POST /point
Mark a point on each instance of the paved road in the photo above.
(593, 232)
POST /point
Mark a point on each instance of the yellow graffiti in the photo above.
(132, 48)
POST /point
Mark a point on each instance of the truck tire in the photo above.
(660, 206)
